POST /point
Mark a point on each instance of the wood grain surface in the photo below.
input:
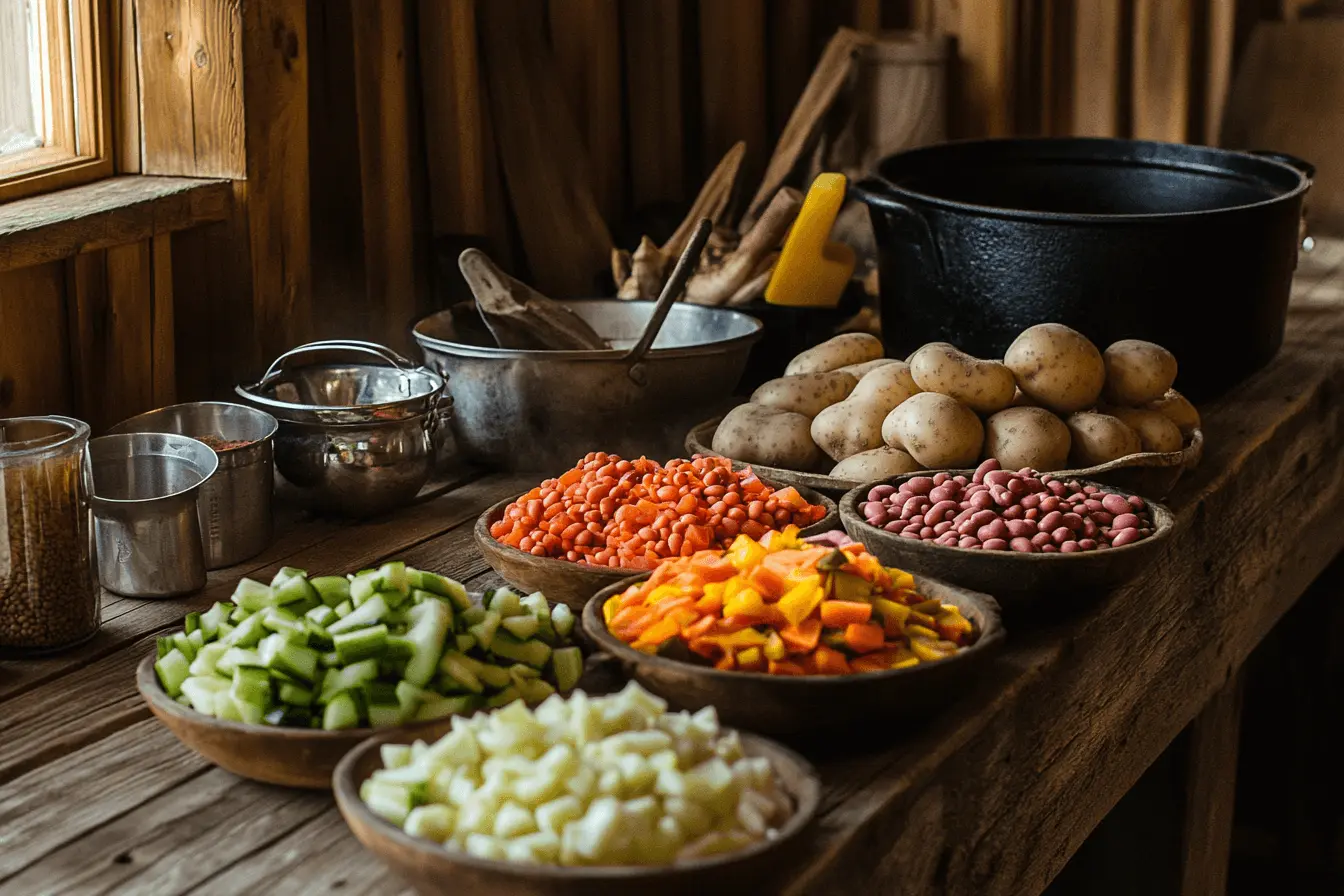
(990, 797)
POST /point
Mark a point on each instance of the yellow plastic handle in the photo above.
(812, 271)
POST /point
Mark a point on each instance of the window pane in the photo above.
(20, 77)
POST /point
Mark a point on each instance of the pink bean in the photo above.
(1049, 548)
(1092, 505)
(1090, 529)
(1051, 521)
(1090, 489)
(940, 528)
(1114, 504)
(1069, 547)
(998, 477)
(961, 480)
(995, 544)
(1136, 502)
(1002, 496)
(1013, 512)
(982, 501)
(986, 466)
(919, 485)
(1073, 521)
(878, 492)
(908, 533)
(1017, 487)
(1087, 544)
(914, 505)
(943, 493)
(935, 514)
(1050, 503)
(1061, 535)
(910, 528)
(1102, 518)
(947, 538)
(1058, 488)
(1030, 501)
(1041, 539)
(992, 529)
(1125, 521)
(1124, 537)
(926, 532)
(895, 525)
(963, 516)
(1022, 545)
(1020, 528)
(1031, 513)
(939, 478)
(918, 520)
(968, 541)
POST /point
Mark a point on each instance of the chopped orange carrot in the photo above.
(664, 607)
(830, 662)
(804, 636)
(873, 662)
(659, 632)
(710, 603)
(863, 637)
(785, 667)
(725, 663)
(769, 583)
(712, 567)
(699, 629)
(840, 613)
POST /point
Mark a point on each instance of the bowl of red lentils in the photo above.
(608, 518)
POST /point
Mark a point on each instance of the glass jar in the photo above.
(49, 594)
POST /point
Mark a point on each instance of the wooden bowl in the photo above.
(1017, 579)
(788, 706)
(290, 757)
(431, 868)
(573, 583)
(1147, 473)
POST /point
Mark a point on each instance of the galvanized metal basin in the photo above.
(543, 410)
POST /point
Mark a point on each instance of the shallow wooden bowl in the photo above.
(1148, 473)
(792, 706)
(1018, 580)
(290, 757)
(573, 583)
(431, 868)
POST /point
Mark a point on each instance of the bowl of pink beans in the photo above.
(1007, 532)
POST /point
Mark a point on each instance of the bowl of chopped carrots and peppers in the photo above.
(785, 636)
(609, 518)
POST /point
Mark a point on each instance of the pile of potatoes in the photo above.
(1054, 402)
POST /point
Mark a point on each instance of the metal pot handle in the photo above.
(1305, 240)
(876, 193)
(351, 345)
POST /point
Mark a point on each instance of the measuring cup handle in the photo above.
(351, 345)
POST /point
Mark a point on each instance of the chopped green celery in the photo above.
(380, 692)
(443, 586)
(519, 671)
(562, 617)
(484, 631)
(521, 627)
(462, 669)
(503, 698)
(436, 707)
(172, 669)
(322, 616)
(363, 586)
(392, 802)
(318, 637)
(473, 614)
(296, 694)
(399, 647)
(506, 602)
(371, 612)
(448, 685)
(295, 660)
(567, 667)
(191, 622)
(287, 572)
(395, 755)
(344, 609)
(251, 596)
(296, 590)
(535, 603)
(236, 657)
(361, 643)
(238, 614)
(331, 659)
(341, 712)
(183, 643)
(383, 715)
(348, 678)
(226, 708)
(211, 619)
(534, 653)
(534, 690)
(197, 639)
(392, 577)
(224, 629)
(409, 696)
(419, 596)
(465, 642)
(162, 646)
(494, 677)
(248, 633)
(277, 620)
(207, 658)
(431, 624)
(331, 590)
(393, 599)
(201, 691)
(252, 686)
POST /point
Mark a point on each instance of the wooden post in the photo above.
(1162, 36)
(732, 76)
(652, 31)
(1211, 787)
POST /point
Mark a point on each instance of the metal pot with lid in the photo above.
(355, 438)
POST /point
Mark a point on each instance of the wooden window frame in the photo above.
(76, 104)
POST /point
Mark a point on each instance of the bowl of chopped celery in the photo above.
(612, 794)
(279, 682)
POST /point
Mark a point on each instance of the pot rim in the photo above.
(1132, 156)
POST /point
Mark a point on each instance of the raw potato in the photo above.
(1058, 367)
(888, 385)
(1138, 372)
(936, 430)
(1178, 409)
(756, 434)
(983, 386)
(1027, 437)
(848, 428)
(879, 463)
(1156, 432)
(1020, 400)
(806, 393)
(862, 370)
(837, 352)
(1100, 438)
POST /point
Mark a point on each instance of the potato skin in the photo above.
(806, 393)
(867, 367)
(1156, 432)
(848, 428)
(756, 434)
(888, 385)
(1027, 437)
(983, 386)
(936, 430)
(878, 463)
(1178, 409)
(1137, 372)
(1099, 438)
(1057, 367)
(836, 352)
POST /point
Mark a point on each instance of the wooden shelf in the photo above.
(107, 213)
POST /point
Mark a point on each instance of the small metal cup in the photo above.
(145, 522)
(235, 504)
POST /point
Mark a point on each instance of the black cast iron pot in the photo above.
(1190, 247)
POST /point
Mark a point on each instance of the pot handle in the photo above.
(876, 193)
(1307, 169)
(350, 345)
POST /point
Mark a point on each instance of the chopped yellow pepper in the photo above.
(745, 553)
(799, 602)
(610, 608)
(775, 648)
(746, 602)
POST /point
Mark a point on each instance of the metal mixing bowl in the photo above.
(355, 438)
(543, 410)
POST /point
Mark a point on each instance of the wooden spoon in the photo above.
(518, 316)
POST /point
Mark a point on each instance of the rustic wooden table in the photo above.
(992, 797)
